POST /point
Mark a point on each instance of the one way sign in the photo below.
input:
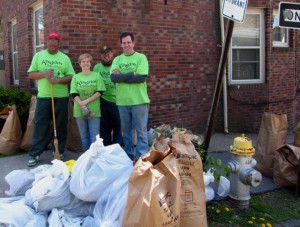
(289, 15)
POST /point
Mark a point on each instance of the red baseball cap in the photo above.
(53, 35)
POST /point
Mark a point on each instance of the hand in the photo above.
(53, 80)
(49, 73)
(115, 71)
(85, 112)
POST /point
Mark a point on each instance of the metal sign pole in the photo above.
(217, 92)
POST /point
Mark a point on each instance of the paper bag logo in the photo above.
(188, 196)
(165, 203)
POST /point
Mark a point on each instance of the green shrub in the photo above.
(10, 96)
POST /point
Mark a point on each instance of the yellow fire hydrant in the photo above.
(242, 173)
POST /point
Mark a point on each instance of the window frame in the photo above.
(37, 6)
(261, 48)
(14, 51)
(278, 43)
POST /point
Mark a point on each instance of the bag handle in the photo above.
(285, 155)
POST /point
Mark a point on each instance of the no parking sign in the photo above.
(234, 9)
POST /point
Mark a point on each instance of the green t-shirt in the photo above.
(104, 71)
(131, 94)
(62, 66)
(86, 86)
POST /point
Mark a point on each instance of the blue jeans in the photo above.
(134, 117)
(110, 122)
(88, 130)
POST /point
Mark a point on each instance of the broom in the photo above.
(56, 151)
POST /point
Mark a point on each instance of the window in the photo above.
(38, 26)
(280, 35)
(246, 64)
(14, 51)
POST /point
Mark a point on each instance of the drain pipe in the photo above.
(225, 110)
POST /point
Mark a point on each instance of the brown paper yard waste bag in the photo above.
(11, 133)
(272, 135)
(27, 138)
(286, 165)
(297, 136)
(73, 140)
(193, 199)
(153, 192)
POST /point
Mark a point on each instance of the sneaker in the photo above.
(33, 161)
(61, 157)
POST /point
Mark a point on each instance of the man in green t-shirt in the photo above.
(129, 71)
(110, 129)
(48, 67)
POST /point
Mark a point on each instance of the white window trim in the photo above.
(14, 23)
(277, 43)
(38, 5)
(259, 12)
(35, 6)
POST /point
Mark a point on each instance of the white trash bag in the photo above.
(39, 220)
(209, 191)
(19, 182)
(110, 207)
(58, 218)
(14, 212)
(96, 169)
(50, 188)
(224, 186)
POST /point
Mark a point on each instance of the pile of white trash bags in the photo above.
(94, 195)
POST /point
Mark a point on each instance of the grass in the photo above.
(265, 210)
(14, 154)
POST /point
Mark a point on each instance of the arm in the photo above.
(137, 79)
(39, 75)
(86, 101)
(120, 78)
(49, 75)
(130, 78)
(63, 80)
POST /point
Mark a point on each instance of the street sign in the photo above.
(234, 9)
(289, 15)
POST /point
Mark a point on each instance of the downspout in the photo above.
(225, 110)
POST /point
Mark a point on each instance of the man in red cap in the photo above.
(48, 67)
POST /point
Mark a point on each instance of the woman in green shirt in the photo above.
(86, 89)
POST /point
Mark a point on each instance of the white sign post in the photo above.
(234, 9)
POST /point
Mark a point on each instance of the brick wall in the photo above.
(181, 40)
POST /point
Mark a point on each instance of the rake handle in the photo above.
(53, 110)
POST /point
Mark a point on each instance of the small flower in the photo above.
(227, 209)
(261, 219)
(253, 218)
(218, 211)
(269, 225)
(250, 222)
(263, 225)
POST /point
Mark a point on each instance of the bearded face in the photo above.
(106, 63)
(107, 58)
